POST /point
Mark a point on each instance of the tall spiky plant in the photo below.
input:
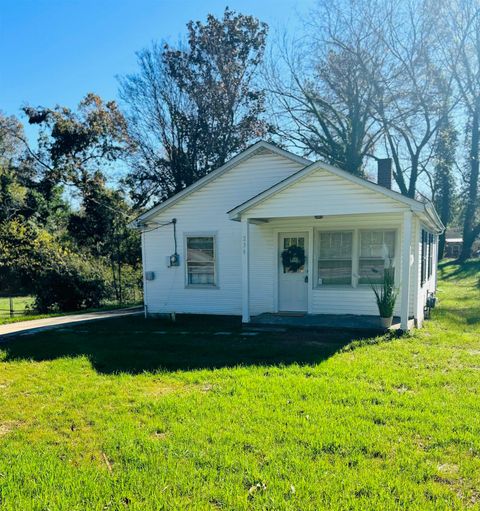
(386, 293)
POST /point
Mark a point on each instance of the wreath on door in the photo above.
(293, 258)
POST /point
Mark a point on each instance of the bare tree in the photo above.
(323, 104)
(374, 76)
(413, 91)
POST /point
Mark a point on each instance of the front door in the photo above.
(292, 271)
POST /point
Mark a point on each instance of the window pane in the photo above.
(377, 244)
(335, 244)
(199, 273)
(200, 249)
(334, 272)
(371, 271)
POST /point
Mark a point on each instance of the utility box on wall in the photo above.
(173, 260)
(149, 275)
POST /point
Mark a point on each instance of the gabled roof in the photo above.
(414, 204)
(239, 158)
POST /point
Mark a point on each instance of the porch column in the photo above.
(406, 251)
(245, 271)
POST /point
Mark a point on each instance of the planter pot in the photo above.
(386, 322)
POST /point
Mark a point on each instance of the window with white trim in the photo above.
(377, 253)
(335, 258)
(200, 261)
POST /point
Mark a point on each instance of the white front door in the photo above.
(292, 271)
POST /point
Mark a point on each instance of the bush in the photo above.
(70, 287)
(59, 278)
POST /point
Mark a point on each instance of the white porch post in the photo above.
(406, 251)
(245, 271)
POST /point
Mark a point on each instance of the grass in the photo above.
(144, 415)
(20, 304)
(23, 307)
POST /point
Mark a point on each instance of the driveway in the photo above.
(37, 325)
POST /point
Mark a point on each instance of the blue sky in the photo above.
(54, 52)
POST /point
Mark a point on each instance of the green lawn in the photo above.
(141, 415)
(20, 303)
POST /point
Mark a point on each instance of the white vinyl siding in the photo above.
(322, 193)
(328, 299)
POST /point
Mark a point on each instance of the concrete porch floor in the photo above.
(333, 321)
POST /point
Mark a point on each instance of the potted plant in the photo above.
(386, 296)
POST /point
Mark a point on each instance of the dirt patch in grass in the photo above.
(8, 426)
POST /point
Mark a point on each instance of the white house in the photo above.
(223, 245)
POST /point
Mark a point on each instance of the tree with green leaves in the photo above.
(191, 108)
(75, 145)
(444, 176)
(74, 150)
(100, 227)
(33, 260)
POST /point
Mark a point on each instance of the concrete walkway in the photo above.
(37, 325)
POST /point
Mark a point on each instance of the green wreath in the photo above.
(293, 258)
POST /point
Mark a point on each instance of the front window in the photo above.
(335, 258)
(200, 261)
(377, 252)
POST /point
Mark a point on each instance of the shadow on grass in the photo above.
(453, 270)
(468, 316)
(134, 345)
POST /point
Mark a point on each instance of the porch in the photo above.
(325, 321)
(329, 288)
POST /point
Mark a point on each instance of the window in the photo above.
(430, 255)
(377, 252)
(425, 257)
(335, 258)
(200, 261)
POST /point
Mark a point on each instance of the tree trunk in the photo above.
(472, 193)
(441, 246)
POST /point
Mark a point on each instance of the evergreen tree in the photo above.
(444, 179)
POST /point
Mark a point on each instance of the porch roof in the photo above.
(425, 209)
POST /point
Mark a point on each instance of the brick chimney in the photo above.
(385, 172)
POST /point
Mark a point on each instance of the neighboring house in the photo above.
(453, 243)
(233, 230)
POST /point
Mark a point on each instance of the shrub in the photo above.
(59, 278)
(386, 294)
(68, 287)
